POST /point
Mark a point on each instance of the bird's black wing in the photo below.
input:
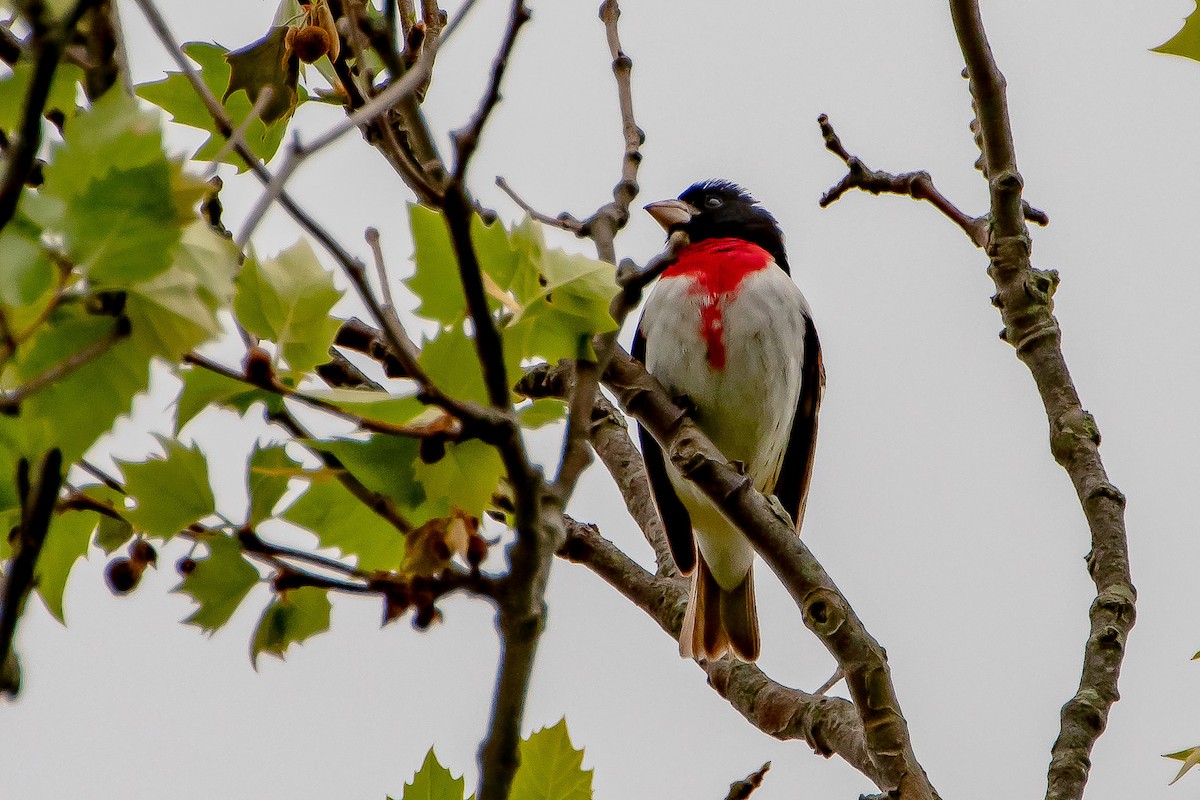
(792, 486)
(675, 518)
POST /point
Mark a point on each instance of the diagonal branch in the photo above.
(829, 725)
(1024, 296)
(825, 610)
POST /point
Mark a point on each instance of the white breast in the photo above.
(746, 408)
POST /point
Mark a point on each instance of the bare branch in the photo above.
(829, 725)
(610, 439)
(825, 611)
(38, 499)
(563, 221)
(740, 790)
(1024, 296)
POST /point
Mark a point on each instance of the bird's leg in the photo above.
(833, 681)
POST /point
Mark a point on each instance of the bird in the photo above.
(729, 334)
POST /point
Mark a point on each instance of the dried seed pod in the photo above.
(310, 43)
(142, 552)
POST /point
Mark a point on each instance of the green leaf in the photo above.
(551, 768)
(270, 471)
(104, 386)
(1186, 43)
(287, 299)
(171, 493)
(266, 63)
(65, 543)
(175, 95)
(453, 366)
(218, 583)
(121, 222)
(542, 411)
(15, 89)
(202, 387)
(436, 280)
(26, 273)
(293, 617)
(1189, 757)
(169, 316)
(464, 479)
(564, 298)
(214, 261)
(112, 533)
(372, 404)
(342, 521)
(434, 782)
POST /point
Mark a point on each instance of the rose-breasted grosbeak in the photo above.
(727, 328)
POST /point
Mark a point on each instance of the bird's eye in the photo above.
(712, 202)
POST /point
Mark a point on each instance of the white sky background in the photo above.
(935, 504)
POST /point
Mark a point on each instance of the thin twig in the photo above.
(444, 427)
(563, 221)
(385, 288)
(740, 790)
(1024, 297)
(12, 399)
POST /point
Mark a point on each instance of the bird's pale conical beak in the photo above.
(670, 213)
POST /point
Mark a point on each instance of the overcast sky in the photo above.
(935, 504)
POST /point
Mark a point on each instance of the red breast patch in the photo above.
(716, 269)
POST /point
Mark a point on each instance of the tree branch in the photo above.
(10, 401)
(740, 790)
(1024, 296)
(829, 725)
(38, 500)
(47, 45)
(825, 610)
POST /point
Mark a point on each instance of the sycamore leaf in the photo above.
(375, 405)
(174, 94)
(342, 521)
(267, 481)
(293, 617)
(202, 387)
(436, 280)
(15, 88)
(464, 479)
(104, 386)
(218, 583)
(112, 175)
(212, 259)
(434, 782)
(287, 299)
(171, 492)
(1185, 43)
(66, 542)
(1189, 757)
(551, 768)
(262, 64)
(169, 315)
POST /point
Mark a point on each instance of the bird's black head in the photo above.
(716, 209)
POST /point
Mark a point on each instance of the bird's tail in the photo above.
(717, 621)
